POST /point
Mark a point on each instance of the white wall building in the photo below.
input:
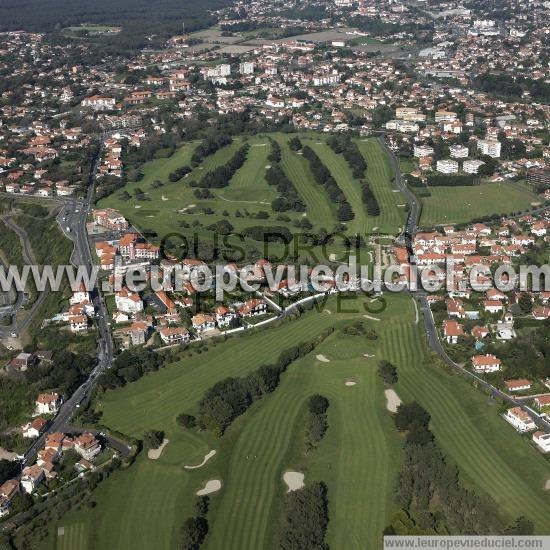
(447, 166)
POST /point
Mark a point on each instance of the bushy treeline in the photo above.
(221, 176)
(451, 180)
(345, 145)
(209, 146)
(195, 528)
(323, 177)
(129, 366)
(288, 198)
(273, 233)
(370, 200)
(229, 398)
(305, 519)
(429, 490)
(317, 423)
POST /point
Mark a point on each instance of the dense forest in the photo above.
(138, 18)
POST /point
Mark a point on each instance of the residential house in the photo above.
(486, 363)
(48, 403)
(520, 419)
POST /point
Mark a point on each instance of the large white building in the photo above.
(128, 302)
(458, 151)
(423, 151)
(490, 147)
(521, 420)
(246, 67)
(472, 166)
(447, 166)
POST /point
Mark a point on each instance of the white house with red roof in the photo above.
(48, 403)
(486, 363)
(520, 419)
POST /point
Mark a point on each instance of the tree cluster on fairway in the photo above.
(345, 145)
(294, 143)
(153, 439)
(221, 176)
(195, 528)
(178, 173)
(129, 366)
(305, 519)
(231, 397)
(316, 424)
(209, 146)
(288, 198)
(323, 177)
(387, 372)
(429, 491)
(369, 200)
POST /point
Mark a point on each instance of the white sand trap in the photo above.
(293, 480)
(350, 383)
(536, 204)
(267, 166)
(259, 144)
(154, 454)
(371, 317)
(206, 458)
(547, 485)
(327, 311)
(137, 206)
(211, 486)
(322, 358)
(164, 198)
(392, 400)
(368, 355)
(375, 228)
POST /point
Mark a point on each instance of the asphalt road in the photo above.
(72, 220)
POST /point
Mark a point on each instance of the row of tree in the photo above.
(429, 491)
(230, 398)
(323, 177)
(316, 423)
(304, 519)
(288, 198)
(221, 176)
(370, 200)
(195, 528)
(348, 148)
(178, 173)
(452, 180)
(208, 146)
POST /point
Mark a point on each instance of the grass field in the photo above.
(359, 457)
(463, 204)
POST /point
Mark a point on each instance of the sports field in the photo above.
(463, 204)
(359, 457)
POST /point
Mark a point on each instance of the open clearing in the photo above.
(463, 204)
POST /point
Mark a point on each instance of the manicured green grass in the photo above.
(379, 176)
(463, 204)
(143, 507)
(75, 537)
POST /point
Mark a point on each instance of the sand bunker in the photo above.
(137, 206)
(293, 480)
(206, 458)
(350, 383)
(164, 198)
(154, 454)
(327, 311)
(368, 355)
(392, 400)
(547, 485)
(211, 486)
(322, 358)
(371, 317)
